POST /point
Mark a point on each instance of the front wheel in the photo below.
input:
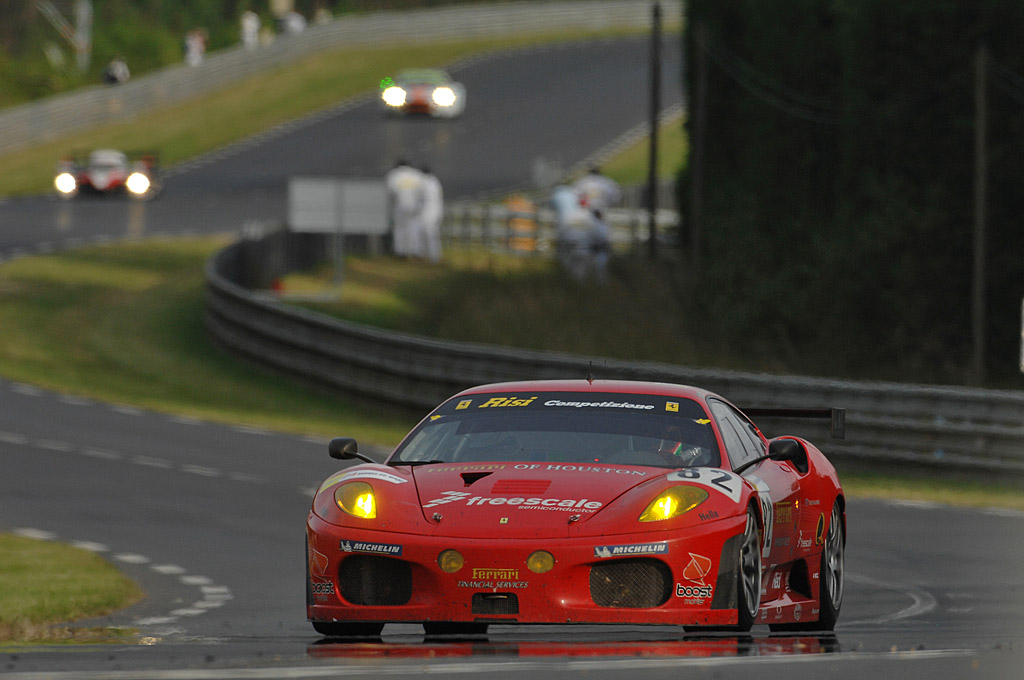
(347, 629)
(833, 571)
(748, 577)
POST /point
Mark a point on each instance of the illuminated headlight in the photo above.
(137, 183)
(673, 502)
(65, 183)
(393, 96)
(356, 498)
(443, 96)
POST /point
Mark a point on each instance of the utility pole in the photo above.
(652, 163)
(980, 216)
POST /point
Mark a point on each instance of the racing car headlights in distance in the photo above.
(673, 502)
(65, 183)
(443, 96)
(356, 498)
(393, 96)
(137, 183)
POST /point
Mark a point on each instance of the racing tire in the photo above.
(347, 629)
(432, 628)
(748, 575)
(832, 578)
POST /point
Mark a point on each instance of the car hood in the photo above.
(521, 500)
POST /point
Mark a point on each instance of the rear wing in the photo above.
(837, 416)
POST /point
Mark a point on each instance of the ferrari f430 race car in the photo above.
(108, 171)
(559, 502)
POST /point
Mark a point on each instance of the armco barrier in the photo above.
(56, 116)
(943, 427)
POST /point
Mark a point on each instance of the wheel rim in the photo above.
(750, 566)
(834, 570)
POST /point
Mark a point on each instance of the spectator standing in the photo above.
(195, 46)
(250, 29)
(405, 193)
(598, 192)
(600, 243)
(431, 215)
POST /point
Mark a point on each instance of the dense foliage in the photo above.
(839, 174)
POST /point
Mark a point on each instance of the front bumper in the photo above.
(640, 578)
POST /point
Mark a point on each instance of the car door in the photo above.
(777, 483)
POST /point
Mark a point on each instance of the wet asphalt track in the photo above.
(208, 518)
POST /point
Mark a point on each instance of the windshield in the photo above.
(623, 429)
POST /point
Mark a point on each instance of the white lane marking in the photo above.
(250, 429)
(102, 454)
(12, 438)
(52, 445)
(214, 596)
(201, 470)
(185, 420)
(923, 601)
(518, 667)
(37, 534)
(90, 546)
(152, 462)
(126, 409)
(27, 390)
(246, 477)
(73, 400)
(195, 580)
(168, 569)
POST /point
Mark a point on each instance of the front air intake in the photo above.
(639, 583)
(374, 580)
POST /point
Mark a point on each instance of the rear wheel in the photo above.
(347, 629)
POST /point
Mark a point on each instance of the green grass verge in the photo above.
(43, 584)
(254, 105)
(124, 324)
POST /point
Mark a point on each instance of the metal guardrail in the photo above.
(946, 428)
(57, 116)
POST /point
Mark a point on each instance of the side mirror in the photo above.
(343, 448)
(790, 450)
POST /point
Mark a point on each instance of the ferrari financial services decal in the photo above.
(520, 503)
(376, 548)
(630, 549)
(721, 481)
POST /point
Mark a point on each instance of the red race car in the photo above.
(583, 501)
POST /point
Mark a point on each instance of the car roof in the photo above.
(593, 386)
(107, 156)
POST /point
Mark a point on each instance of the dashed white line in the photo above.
(53, 445)
(11, 438)
(102, 454)
(152, 462)
(131, 558)
(168, 569)
(127, 410)
(90, 546)
(37, 534)
(201, 470)
(196, 580)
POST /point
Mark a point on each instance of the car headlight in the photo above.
(356, 498)
(65, 183)
(393, 96)
(673, 502)
(137, 183)
(443, 96)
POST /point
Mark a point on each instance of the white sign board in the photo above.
(329, 204)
